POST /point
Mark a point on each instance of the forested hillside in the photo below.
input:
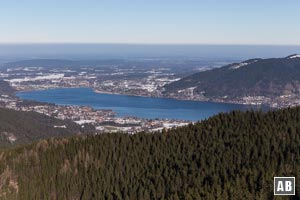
(256, 77)
(5, 88)
(17, 127)
(229, 156)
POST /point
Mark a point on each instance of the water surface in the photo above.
(123, 105)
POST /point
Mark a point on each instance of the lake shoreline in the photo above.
(129, 105)
(146, 96)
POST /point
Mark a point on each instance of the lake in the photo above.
(124, 105)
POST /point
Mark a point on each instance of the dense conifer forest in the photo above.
(228, 156)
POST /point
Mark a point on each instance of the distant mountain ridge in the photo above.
(49, 63)
(255, 77)
(39, 63)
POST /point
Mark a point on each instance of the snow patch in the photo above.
(190, 89)
(242, 64)
(80, 122)
(294, 56)
(238, 65)
(10, 136)
(63, 126)
(37, 78)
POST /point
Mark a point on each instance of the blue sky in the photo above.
(273, 22)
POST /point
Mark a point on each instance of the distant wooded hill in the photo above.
(17, 127)
(228, 156)
(255, 77)
(5, 88)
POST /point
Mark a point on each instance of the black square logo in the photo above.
(284, 185)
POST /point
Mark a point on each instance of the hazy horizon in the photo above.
(10, 52)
